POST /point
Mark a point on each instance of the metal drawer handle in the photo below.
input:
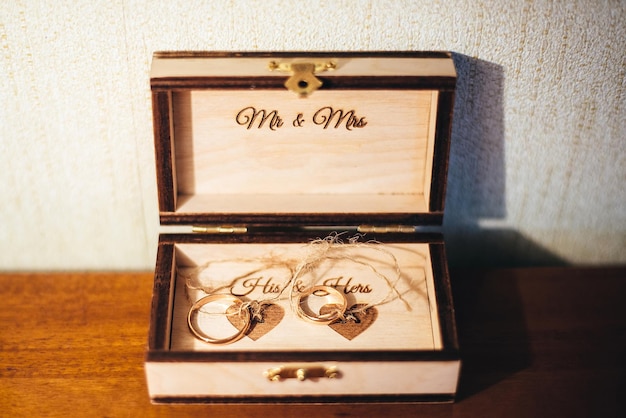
(301, 372)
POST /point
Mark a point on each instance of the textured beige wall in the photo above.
(538, 162)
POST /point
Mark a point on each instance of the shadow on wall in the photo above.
(476, 190)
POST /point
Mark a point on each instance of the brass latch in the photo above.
(301, 372)
(302, 80)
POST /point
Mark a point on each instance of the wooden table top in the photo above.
(548, 342)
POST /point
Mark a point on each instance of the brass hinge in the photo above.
(385, 229)
(219, 229)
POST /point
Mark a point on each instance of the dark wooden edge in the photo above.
(167, 356)
(443, 131)
(273, 235)
(277, 82)
(302, 219)
(338, 399)
(293, 54)
(164, 150)
(443, 293)
(162, 298)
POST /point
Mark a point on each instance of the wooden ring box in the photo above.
(262, 153)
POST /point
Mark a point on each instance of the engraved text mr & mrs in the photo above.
(326, 117)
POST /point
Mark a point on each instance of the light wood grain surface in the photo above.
(535, 342)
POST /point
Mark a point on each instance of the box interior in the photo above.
(397, 279)
(272, 152)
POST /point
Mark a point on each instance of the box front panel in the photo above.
(249, 380)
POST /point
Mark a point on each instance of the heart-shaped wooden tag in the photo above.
(271, 315)
(355, 323)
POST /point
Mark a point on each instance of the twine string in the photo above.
(330, 248)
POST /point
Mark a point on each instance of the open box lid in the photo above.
(302, 139)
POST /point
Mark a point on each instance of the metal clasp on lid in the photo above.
(302, 80)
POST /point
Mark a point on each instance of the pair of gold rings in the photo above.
(335, 309)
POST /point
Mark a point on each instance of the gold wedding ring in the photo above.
(244, 313)
(338, 303)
